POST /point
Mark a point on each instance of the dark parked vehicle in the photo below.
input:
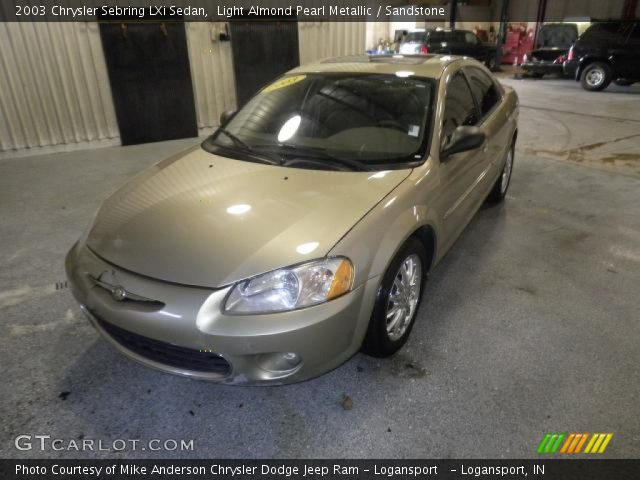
(449, 42)
(552, 45)
(607, 51)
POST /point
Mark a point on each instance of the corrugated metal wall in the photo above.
(592, 8)
(55, 93)
(525, 10)
(330, 39)
(212, 68)
(211, 71)
(54, 88)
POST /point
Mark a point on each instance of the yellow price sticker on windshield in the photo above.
(284, 82)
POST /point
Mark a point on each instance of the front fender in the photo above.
(374, 241)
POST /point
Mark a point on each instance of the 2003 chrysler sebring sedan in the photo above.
(304, 228)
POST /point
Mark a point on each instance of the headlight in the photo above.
(292, 288)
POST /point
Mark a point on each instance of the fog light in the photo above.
(279, 362)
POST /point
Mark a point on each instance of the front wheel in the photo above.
(397, 301)
(499, 190)
(596, 76)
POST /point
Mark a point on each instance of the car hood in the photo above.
(201, 219)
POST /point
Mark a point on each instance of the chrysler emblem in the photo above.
(119, 293)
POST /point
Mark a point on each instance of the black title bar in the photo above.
(531, 469)
(299, 10)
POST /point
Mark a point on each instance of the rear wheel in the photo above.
(499, 190)
(596, 76)
(397, 301)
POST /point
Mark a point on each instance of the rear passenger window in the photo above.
(484, 90)
(605, 32)
(459, 107)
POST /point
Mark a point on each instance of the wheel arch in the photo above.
(586, 61)
(427, 236)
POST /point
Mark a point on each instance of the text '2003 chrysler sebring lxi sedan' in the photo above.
(303, 229)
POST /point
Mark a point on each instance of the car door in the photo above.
(437, 42)
(627, 54)
(458, 173)
(493, 120)
(472, 45)
(459, 45)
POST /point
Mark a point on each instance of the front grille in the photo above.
(167, 354)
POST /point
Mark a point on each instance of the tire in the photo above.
(596, 76)
(499, 190)
(623, 82)
(491, 63)
(383, 339)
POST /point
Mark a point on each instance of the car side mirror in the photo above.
(226, 116)
(464, 138)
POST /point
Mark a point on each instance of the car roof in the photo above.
(430, 66)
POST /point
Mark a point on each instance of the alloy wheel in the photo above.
(594, 77)
(403, 297)
(506, 172)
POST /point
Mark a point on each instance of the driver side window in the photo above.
(459, 108)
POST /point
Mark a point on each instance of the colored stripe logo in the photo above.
(573, 443)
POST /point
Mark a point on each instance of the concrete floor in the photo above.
(529, 325)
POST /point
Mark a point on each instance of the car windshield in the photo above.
(332, 121)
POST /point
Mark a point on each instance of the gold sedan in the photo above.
(303, 229)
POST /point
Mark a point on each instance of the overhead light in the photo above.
(238, 209)
(289, 128)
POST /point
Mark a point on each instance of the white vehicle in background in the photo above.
(414, 42)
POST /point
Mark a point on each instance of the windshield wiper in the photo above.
(236, 141)
(315, 155)
(246, 149)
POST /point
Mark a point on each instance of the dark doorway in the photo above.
(148, 65)
(262, 51)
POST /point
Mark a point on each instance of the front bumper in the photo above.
(184, 324)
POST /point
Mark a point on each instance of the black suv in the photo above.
(450, 42)
(607, 51)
